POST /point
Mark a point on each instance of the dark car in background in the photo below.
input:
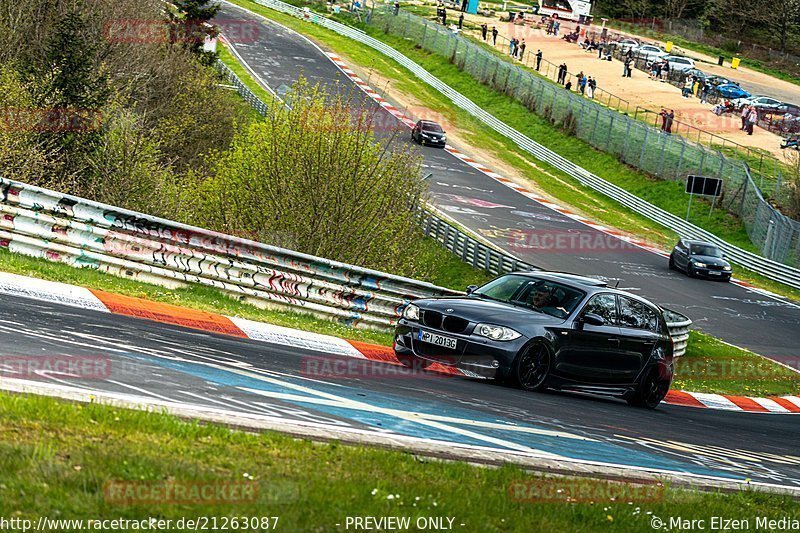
(430, 133)
(700, 259)
(545, 330)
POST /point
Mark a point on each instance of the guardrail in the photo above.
(80, 232)
(43, 223)
(771, 269)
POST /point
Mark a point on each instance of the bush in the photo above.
(313, 178)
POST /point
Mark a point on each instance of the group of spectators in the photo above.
(485, 33)
(749, 118)
(696, 85)
(516, 48)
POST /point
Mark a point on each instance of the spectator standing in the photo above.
(511, 45)
(665, 70)
(582, 83)
(461, 21)
(539, 60)
(752, 118)
(592, 85)
(628, 66)
(550, 27)
(556, 26)
(396, 8)
(484, 30)
(494, 36)
(704, 89)
(687, 86)
(444, 16)
(522, 49)
(743, 116)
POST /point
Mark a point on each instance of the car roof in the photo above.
(699, 243)
(588, 285)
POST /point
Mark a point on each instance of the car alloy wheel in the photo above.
(532, 367)
(651, 391)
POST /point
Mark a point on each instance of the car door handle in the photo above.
(613, 339)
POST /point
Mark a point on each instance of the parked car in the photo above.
(697, 73)
(429, 132)
(731, 92)
(648, 52)
(700, 259)
(545, 330)
(787, 109)
(624, 45)
(720, 80)
(764, 104)
(679, 63)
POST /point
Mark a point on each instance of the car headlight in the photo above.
(411, 312)
(700, 265)
(728, 267)
(425, 135)
(444, 137)
(497, 333)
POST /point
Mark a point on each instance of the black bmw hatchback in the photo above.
(430, 133)
(545, 330)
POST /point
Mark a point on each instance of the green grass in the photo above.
(56, 458)
(666, 194)
(711, 365)
(705, 354)
(226, 57)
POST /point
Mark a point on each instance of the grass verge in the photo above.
(708, 366)
(58, 458)
(668, 195)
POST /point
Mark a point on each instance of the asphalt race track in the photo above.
(767, 325)
(150, 360)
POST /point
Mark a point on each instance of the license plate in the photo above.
(438, 340)
(715, 272)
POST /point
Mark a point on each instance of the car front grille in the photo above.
(437, 320)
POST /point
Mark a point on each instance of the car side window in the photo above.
(635, 314)
(604, 305)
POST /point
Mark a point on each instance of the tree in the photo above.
(192, 24)
(785, 17)
(313, 178)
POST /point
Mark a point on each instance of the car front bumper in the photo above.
(708, 273)
(473, 353)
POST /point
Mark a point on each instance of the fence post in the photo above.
(661, 159)
(408, 21)
(424, 31)
(680, 159)
(644, 147)
(625, 143)
(744, 195)
(610, 131)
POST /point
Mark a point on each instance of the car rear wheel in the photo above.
(412, 361)
(651, 391)
(531, 367)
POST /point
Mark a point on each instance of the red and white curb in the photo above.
(397, 113)
(95, 300)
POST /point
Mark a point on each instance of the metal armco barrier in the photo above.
(83, 233)
(496, 262)
(771, 269)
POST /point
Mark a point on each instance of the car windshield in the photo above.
(429, 126)
(703, 249)
(541, 295)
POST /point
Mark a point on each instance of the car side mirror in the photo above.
(471, 289)
(593, 319)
